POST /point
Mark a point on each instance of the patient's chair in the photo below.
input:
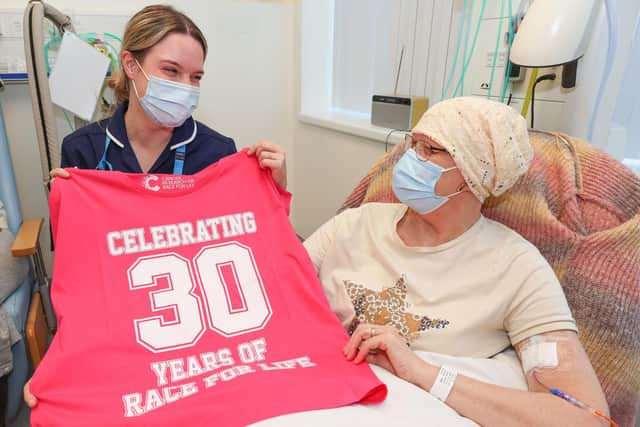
(17, 304)
(581, 208)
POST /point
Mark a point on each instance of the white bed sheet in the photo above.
(406, 404)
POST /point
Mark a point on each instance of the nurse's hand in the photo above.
(59, 173)
(29, 398)
(271, 156)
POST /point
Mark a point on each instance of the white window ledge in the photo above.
(633, 164)
(351, 123)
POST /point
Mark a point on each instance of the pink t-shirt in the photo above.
(187, 301)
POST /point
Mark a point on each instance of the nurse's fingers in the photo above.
(264, 145)
(29, 398)
(59, 173)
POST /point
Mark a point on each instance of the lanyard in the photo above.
(178, 163)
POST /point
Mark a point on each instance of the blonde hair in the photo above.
(146, 29)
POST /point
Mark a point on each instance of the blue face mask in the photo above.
(167, 103)
(414, 183)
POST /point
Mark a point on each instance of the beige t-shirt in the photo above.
(472, 296)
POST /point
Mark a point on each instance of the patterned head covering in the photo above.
(487, 140)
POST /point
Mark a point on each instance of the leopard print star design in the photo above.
(389, 307)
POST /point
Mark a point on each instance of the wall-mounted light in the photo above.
(555, 32)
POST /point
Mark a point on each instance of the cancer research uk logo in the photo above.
(167, 182)
(150, 183)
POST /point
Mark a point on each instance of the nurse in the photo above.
(156, 90)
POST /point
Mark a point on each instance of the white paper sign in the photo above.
(77, 76)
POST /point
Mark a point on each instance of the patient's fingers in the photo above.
(371, 346)
(363, 332)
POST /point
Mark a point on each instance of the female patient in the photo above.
(433, 274)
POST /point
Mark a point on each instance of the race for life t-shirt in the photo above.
(187, 301)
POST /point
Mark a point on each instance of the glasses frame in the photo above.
(429, 149)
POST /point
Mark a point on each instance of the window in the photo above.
(369, 38)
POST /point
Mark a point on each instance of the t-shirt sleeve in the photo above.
(539, 304)
(320, 241)
(336, 229)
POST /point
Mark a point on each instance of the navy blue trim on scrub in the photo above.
(178, 163)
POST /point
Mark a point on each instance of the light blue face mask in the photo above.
(414, 183)
(167, 103)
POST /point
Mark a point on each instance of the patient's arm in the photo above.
(491, 405)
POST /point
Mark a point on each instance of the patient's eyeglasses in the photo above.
(423, 149)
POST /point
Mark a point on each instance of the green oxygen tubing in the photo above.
(466, 59)
(445, 89)
(466, 37)
(495, 51)
(473, 48)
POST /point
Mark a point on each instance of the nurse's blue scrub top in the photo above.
(84, 147)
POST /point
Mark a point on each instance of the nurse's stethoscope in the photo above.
(178, 163)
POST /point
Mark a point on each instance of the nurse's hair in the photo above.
(143, 31)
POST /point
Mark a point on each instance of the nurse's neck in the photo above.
(147, 139)
(142, 131)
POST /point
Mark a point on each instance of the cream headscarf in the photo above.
(488, 141)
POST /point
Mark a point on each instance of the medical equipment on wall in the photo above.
(44, 28)
(550, 76)
(43, 112)
(554, 33)
(557, 33)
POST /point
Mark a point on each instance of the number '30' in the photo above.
(158, 334)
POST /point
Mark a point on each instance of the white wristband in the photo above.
(444, 383)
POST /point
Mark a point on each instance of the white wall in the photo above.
(329, 164)
(247, 93)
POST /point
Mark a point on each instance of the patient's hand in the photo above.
(29, 398)
(383, 346)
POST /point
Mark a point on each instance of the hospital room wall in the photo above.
(248, 91)
(330, 163)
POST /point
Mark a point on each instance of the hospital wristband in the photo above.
(444, 383)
